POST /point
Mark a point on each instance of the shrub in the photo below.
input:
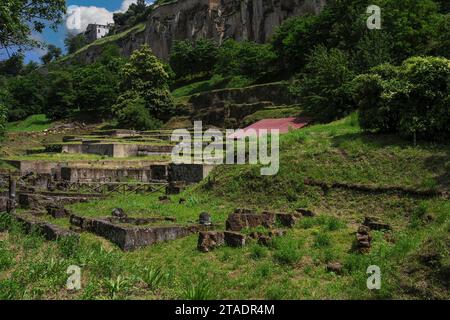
(131, 113)
(324, 88)
(412, 99)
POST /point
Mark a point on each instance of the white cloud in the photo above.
(126, 4)
(79, 17)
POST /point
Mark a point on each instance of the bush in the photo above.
(324, 88)
(131, 113)
(412, 99)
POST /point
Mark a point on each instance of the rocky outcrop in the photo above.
(252, 20)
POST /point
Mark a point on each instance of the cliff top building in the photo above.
(96, 31)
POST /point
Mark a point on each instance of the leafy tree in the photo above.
(18, 18)
(75, 42)
(26, 95)
(440, 45)
(407, 30)
(12, 66)
(61, 95)
(413, 99)
(373, 49)
(131, 113)
(188, 58)
(244, 59)
(294, 39)
(3, 119)
(324, 88)
(145, 74)
(95, 89)
(137, 12)
(52, 54)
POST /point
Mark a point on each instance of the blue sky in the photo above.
(92, 11)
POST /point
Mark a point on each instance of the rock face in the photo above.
(252, 20)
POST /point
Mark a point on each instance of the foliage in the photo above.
(145, 74)
(19, 18)
(61, 95)
(131, 113)
(95, 89)
(137, 12)
(52, 54)
(323, 88)
(24, 95)
(191, 58)
(3, 119)
(12, 66)
(244, 59)
(74, 42)
(411, 99)
(407, 30)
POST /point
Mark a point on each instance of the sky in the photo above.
(89, 11)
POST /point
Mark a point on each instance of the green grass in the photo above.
(34, 123)
(216, 82)
(106, 40)
(336, 152)
(413, 257)
(273, 113)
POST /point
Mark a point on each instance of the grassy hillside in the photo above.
(34, 123)
(413, 257)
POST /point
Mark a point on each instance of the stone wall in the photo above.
(130, 238)
(190, 173)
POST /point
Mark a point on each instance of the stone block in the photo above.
(57, 211)
(234, 239)
(209, 240)
(374, 224)
(238, 221)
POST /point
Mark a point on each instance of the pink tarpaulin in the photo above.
(283, 125)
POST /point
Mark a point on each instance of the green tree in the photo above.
(26, 95)
(61, 95)
(324, 87)
(244, 59)
(19, 18)
(74, 42)
(95, 89)
(145, 74)
(189, 58)
(12, 66)
(413, 99)
(52, 54)
(131, 113)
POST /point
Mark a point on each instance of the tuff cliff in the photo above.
(253, 20)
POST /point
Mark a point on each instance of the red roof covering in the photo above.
(283, 125)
